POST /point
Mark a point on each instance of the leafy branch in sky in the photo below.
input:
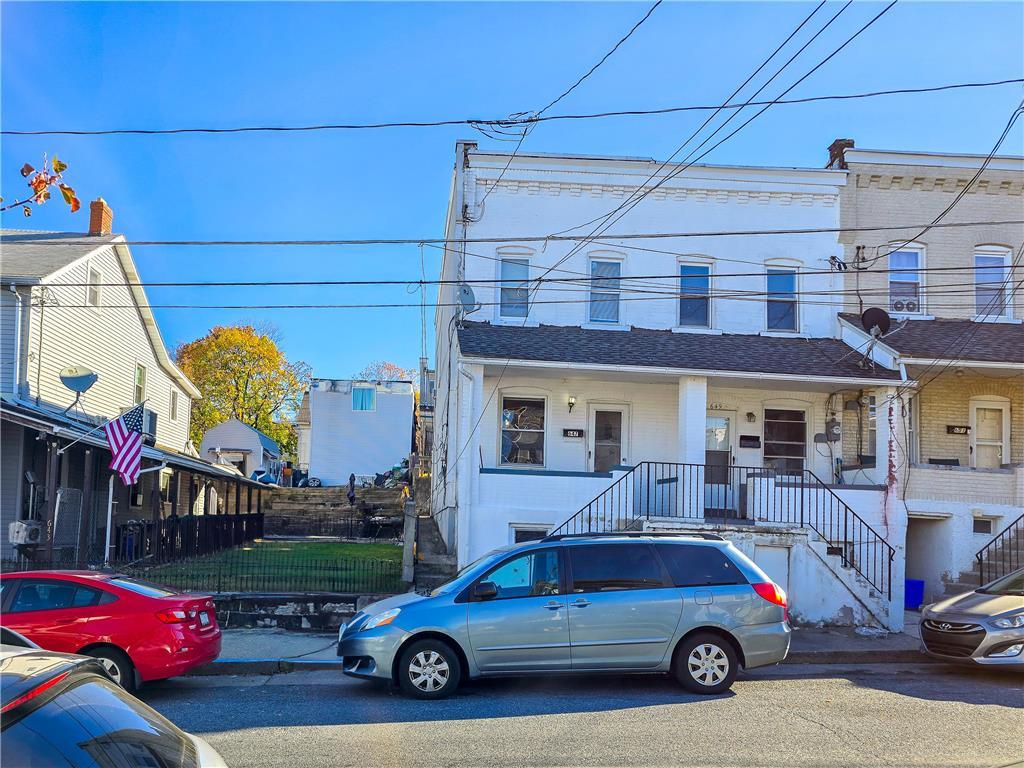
(40, 181)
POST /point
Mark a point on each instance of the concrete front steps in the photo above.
(434, 566)
(327, 511)
(1003, 556)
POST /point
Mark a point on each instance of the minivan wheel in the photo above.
(706, 663)
(429, 669)
(117, 665)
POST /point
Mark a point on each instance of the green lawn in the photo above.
(287, 566)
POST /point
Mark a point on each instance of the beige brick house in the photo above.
(954, 296)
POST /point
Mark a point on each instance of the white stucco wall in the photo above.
(344, 441)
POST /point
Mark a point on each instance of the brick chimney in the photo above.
(836, 159)
(101, 218)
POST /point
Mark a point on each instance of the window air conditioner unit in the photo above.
(148, 426)
(25, 532)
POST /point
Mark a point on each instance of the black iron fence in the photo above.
(185, 536)
(333, 524)
(1004, 554)
(712, 493)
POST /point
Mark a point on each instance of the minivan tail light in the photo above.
(773, 593)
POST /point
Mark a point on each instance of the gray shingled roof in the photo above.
(965, 340)
(665, 349)
(30, 254)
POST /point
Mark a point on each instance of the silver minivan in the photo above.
(693, 606)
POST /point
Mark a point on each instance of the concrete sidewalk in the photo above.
(275, 651)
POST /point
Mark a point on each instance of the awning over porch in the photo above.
(667, 351)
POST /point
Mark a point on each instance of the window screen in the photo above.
(614, 567)
(990, 284)
(515, 291)
(604, 291)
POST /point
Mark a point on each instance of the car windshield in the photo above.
(1008, 585)
(459, 578)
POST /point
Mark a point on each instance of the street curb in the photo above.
(906, 656)
(262, 667)
(284, 666)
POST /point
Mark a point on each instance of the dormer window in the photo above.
(905, 281)
(781, 299)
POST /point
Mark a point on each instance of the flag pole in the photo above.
(96, 429)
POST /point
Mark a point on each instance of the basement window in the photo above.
(983, 525)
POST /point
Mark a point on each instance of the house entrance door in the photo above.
(720, 492)
(609, 429)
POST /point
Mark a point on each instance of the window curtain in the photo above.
(363, 399)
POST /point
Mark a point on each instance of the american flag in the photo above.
(124, 434)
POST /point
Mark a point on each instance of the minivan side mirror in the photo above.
(485, 590)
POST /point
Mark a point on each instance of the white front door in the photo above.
(608, 443)
(989, 430)
(719, 486)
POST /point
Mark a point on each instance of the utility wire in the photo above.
(505, 123)
(7, 235)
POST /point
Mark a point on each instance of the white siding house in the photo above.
(356, 428)
(689, 382)
(71, 299)
(246, 448)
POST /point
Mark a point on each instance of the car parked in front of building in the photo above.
(137, 630)
(59, 709)
(692, 606)
(984, 627)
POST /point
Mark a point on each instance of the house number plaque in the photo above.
(957, 429)
(572, 433)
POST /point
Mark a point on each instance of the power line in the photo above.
(581, 277)
(78, 242)
(505, 123)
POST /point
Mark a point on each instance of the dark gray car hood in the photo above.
(979, 605)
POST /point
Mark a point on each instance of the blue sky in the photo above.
(161, 65)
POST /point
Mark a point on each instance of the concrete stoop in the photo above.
(434, 566)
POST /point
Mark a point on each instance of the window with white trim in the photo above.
(695, 295)
(92, 292)
(604, 290)
(990, 282)
(515, 287)
(781, 300)
(522, 430)
(140, 383)
(905, 285)
(174, 405)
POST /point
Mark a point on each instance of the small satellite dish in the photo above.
(78, 378)
(876, 321)
(468, 299)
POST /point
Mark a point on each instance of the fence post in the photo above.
(85, 518)
(155, 511)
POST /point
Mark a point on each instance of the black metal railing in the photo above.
(1002, 555)
(731, 494)
(182, 537)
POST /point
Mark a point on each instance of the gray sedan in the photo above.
(981, 627)
(692, 606)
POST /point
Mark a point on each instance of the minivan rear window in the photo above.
(613, 567)
(693, 565)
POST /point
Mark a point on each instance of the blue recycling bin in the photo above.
(913, 594)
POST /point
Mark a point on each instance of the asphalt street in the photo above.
(794, 715)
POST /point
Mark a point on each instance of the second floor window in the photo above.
(515, 287)
(604, 291)
(695, 295)
(140, 383)
(364, 399)
(92, 296)
(990, 283)
(905, 281)
(782, 302)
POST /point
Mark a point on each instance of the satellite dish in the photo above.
(78, 378)
(468, 299)
(876, 321)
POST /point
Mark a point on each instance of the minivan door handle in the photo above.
(580, 603)
(553, 606)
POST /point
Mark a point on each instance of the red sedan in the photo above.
(140, 631)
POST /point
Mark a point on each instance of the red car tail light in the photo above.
(773, 593)
(42, 688)
(176, 616)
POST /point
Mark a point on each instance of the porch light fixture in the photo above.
(572, 402)
(751, 417)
